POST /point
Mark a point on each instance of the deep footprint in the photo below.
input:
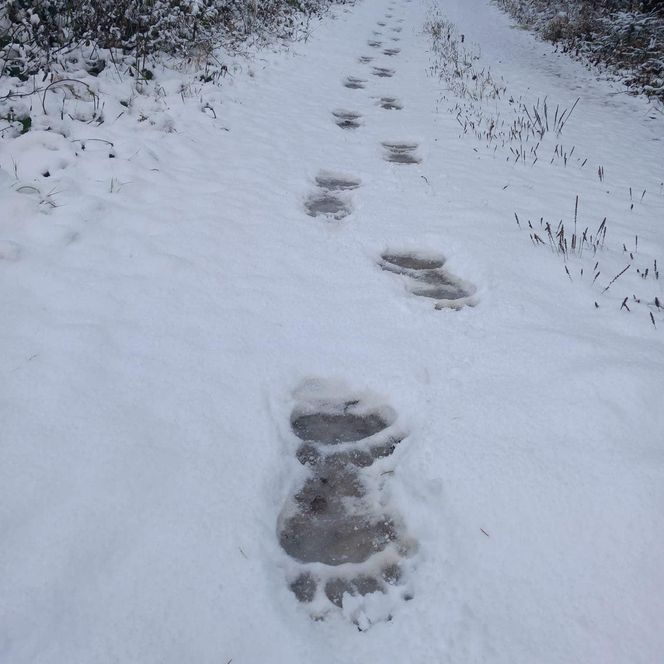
(426, 277)
(401, 153)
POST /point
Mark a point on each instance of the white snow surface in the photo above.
(161, 308)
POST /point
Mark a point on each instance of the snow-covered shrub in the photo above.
(626, 36)
(35, 33)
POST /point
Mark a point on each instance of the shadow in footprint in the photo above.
(383, 72)
(354, 83)
(365, 59)
(401, 153)
(425, 276)
(390, 104)
(347, 119)
(374, 44)
(391, 51)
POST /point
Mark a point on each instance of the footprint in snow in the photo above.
(401, 153)
(328, 202)
(365, 59)
(347, 119)
(382, 24)
(355, 83)
(383, 72)
(347, 547)
(425, 276)
(390, 104)
(374, 44)
(396, 30)
(391, 51)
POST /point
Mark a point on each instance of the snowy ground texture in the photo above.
(177, 285)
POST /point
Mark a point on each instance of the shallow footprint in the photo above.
(347, 119)
(401, 153)
(334, 182)
(365, 59)
(383, 72)
(392, 51)
(327, 205)
(374, 44)
(390, 104)
(355, 83)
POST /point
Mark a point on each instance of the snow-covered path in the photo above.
(159, 323)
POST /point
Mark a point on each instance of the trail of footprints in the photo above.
(346, 545)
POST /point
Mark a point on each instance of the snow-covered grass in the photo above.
(166, 295)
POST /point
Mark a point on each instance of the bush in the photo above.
(35, 33)
(625, 35)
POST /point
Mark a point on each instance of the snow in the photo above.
(165, 298)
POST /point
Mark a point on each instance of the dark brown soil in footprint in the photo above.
(391, 51)
(355, 83)
(413, 262)
(326, 205)
(401, 153)
(334, 428)
(332, 182)
(347, 119)
(335, 540)
(390, 104)
(383, 72)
